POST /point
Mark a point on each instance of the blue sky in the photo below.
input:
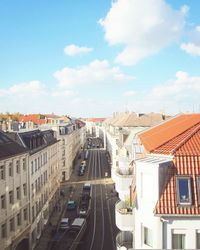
(92, 58)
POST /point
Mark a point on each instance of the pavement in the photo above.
(46, 237)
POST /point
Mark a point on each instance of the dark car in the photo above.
(71, 205)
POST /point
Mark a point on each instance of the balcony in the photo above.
(124, 216)
(123, 179)
(124, 241)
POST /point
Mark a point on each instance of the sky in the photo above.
(94, 57)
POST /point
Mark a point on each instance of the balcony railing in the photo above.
(123, 180)
(124, 240)
(124, 216)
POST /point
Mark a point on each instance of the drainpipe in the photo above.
(163, 221)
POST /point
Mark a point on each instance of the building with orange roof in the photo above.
(167, 184)
(93, 126)
(120, 135)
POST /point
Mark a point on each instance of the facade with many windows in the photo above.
(14, 193)
(44, 179)
(71, 138)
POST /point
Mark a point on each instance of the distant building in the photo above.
(93, 126)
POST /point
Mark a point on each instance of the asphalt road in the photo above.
(101, 230)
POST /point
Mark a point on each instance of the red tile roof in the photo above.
(175, 145)
(161, 134)
(185, 148)
(32, 118)
(168, 204)
(95, 119)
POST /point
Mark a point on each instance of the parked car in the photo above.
(64, 223)
(81, 172)
(71, 205)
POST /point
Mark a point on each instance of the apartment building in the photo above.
(44, 177)
(125, 127)
(118, 128)
(14, 192)
(166, 209)
(94, 126)
(72, 137)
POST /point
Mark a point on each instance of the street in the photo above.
(101, 230)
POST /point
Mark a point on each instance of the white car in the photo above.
(64, 224)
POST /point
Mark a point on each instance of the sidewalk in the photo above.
(51, 225)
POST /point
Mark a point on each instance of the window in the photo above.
(11, 197)
(18, 193)
(2, 172)
(38, 162)
(10, 169)
(17, 167)
(25, 214)
(18, 219)
(3, 201)
(12, 225)
(32, 169)
(24, 189)
(33, 213)
(32, 189)
(24, 164)
(178, 241)
(148, 239)
(35, 165)
(3, 231)
(184, 190)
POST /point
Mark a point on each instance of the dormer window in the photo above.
(183, 185)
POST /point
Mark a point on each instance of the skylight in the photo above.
(184, 190)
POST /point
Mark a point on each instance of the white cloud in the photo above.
(31, 89)
(72, 50)
(144, 27)
(180, 94)
(61, 92)
(130, 93)
(191, 49)
(183, 85)
(93, 73)
(193, 46)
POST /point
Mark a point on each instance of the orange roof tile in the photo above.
(170, 147)
(186, 150)
(167, 204)
(33, 118)
(161, 134)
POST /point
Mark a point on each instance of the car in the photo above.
(81, 172)
(71, 205)
(64, 224)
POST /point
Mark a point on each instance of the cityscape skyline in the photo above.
(93, 58)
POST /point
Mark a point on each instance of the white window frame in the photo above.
(188, 178)
(180, 233)
(147, 236)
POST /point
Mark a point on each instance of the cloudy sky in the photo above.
(92, 58)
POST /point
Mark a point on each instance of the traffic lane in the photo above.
(110, 229)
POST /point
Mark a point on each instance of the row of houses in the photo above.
(155, 165)
(33, 163)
